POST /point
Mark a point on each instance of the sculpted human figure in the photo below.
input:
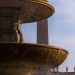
(17, 27)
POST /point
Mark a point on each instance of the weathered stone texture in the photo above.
(10, 25)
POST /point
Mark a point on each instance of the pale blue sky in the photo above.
(61, 27)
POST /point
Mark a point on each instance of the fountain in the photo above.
(17, 57)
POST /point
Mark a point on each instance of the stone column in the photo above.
(10, 24)
(42, 31)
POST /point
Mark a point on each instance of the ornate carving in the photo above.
(10, 25)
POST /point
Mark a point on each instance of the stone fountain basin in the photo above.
(26, 59)
(31, 55)
(29, 9)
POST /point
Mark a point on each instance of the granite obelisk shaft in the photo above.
(42, 31)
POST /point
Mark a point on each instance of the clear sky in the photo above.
(61, 28)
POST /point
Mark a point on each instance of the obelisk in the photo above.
(42, 31)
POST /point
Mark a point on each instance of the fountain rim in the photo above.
(30, 16)
(45, 3)
(47, 46)
(23, 52)
(33, 1)
(38, 45)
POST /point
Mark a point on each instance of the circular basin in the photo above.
(31, 10)
(31, 55)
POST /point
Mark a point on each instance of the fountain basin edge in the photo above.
(39, 55)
